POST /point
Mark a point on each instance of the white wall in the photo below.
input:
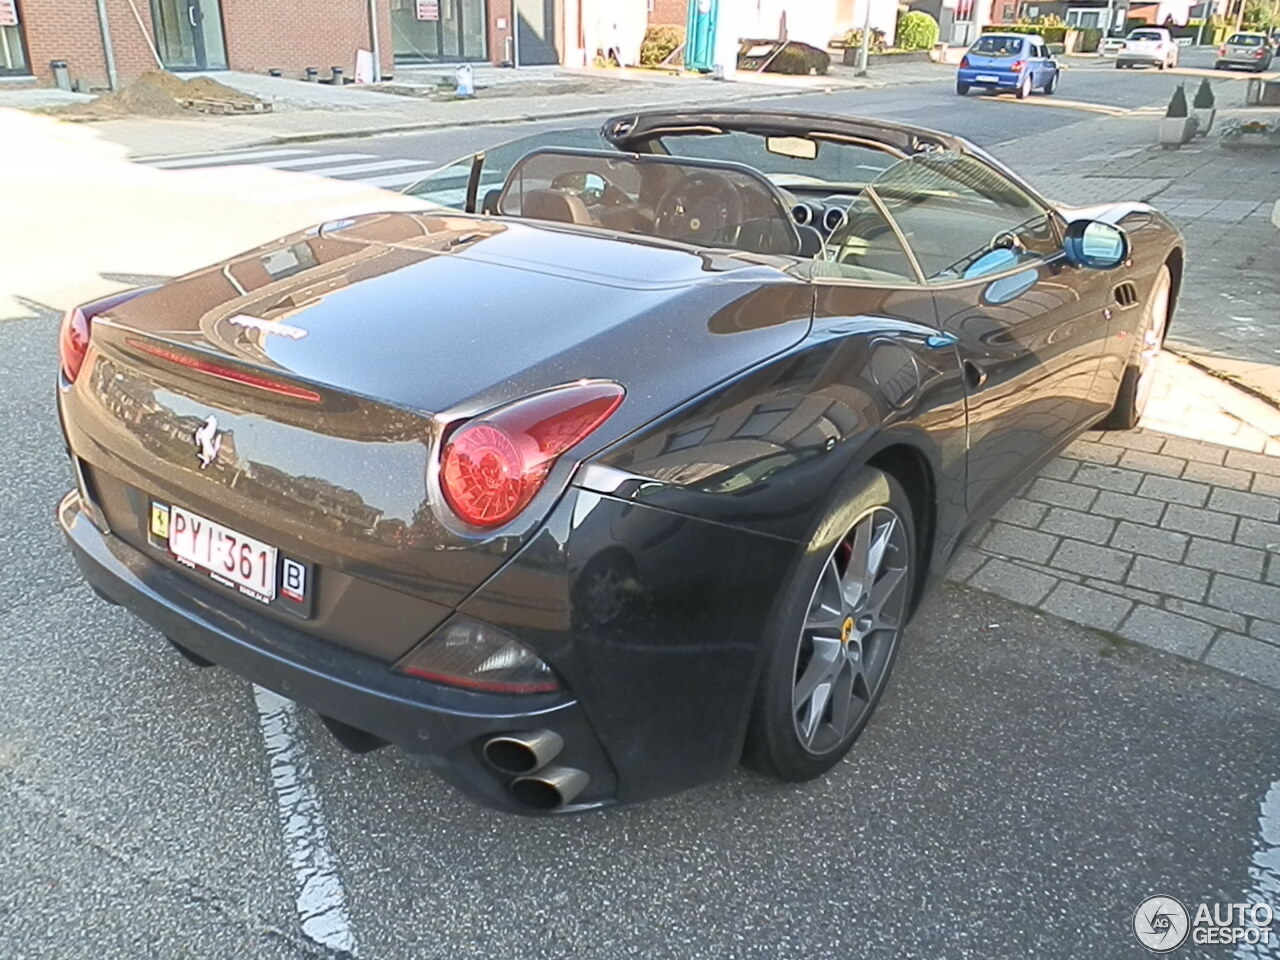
(605, 24)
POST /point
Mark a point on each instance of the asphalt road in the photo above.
(1024, 785)
(978, 117)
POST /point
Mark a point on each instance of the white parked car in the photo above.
(1148, 46)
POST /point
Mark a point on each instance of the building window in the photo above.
(13, 51)
(429, 31)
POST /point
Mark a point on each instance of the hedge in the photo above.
(1051, 34)
(659, 43)
(916, 31)
(800, 59)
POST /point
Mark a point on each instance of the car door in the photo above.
(1030, 329)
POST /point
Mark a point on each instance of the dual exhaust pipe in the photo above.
(527, 757)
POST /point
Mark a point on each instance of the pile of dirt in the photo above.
(155, 94)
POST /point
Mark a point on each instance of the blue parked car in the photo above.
(1008, 61)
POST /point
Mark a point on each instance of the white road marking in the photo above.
(398, 179)
(314, 161)
(369, 167)
(1265, 869)
(321, 900)
(224, 158)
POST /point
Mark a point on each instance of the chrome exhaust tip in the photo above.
(519, 754)
(551, 789)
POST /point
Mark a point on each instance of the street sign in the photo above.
(8, 13)
(427, 9)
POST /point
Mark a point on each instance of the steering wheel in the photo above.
(698, 207)
(1005, 240)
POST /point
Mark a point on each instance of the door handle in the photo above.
(191, 14)
(974, 375)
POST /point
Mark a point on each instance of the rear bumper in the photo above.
(443, 726)
(1149, 60)
(996, 79)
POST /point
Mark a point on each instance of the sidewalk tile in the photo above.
(1245, 562)
(1245, 596)
(1265, 630)
(1125, 507)
(1246, 658)
(1193, 450)
(1257, 462)
(1168, 631)
(1149, 541)
(1121, 590)
(1266, 484)
(1264, 536)
(1080, 526)
(1009, 541)
(1108, 478)
(1223, 618)
(1022, 512)
(1174, 579)
(1203, 523)
(1152, 463)
(966, 563)
(1093, 452)
(1253, 505)
(1059, 469)
(1220, 476)
(1093, 608)
(1092, 561)
(1174, 491)
(1012, 582)
(1061, 494)
(1133, 440)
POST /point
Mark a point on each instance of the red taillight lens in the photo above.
(1222, 51)
(964, 62)
(1260, 54)
(479, 656)
(492, 467)
(73, 342)
(1017, 66)
(223, 372)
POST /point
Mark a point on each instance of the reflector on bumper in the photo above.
(479, 656)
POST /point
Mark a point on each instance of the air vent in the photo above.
(1126, 295)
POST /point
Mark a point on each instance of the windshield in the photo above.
(1245, 40)
(832, 166)
(1145, 35)
(998, 46)
(696, 203)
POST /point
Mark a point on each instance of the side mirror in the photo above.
(1096, 245)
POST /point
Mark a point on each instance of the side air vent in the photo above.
(1126, 295)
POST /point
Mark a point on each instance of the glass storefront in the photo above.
(432, 31)
(13, 52)
(189, 34)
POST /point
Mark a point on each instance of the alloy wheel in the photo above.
(1153, 329)
(854, 620)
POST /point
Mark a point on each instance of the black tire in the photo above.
(1131, 397)
(1120, 66)
(774, 744)
(1219, 65)
(962, 89)
(1051, 87)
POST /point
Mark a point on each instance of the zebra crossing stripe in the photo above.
(213, 160)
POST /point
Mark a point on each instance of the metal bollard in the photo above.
(61, 75)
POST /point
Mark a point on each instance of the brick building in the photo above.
(257, 36)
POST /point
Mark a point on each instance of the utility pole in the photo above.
(865, 46)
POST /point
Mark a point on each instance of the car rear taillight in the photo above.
(73, 342)
(493, 466)
(77, 326)
(1017, 66)
(479, 656)
(1222, 50)
(1260, 54)
(964, 62)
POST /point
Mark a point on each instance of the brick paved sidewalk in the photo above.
(1167, 536)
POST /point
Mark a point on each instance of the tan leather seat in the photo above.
(554, 205)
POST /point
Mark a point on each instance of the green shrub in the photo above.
(916, 31)
(1090, 39)
(659, 43)
(853, 40)
(1051, 32)
(800, 60)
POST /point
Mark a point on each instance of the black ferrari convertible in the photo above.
(627, 459)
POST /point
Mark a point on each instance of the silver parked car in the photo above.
(1252, 50)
